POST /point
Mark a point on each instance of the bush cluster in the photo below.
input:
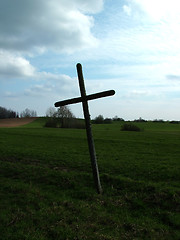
(51, 123)
(174, 122)
(158, 121)
(62, 118)
(73, 123)
(64, 123)
(130, 127)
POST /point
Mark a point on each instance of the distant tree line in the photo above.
(140, 120)
(100, 119)
(156, 121)
(5, 113)
(8, 113)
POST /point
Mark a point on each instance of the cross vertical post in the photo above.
(88, 130)
(84, 100)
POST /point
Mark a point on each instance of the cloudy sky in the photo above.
(131, 46)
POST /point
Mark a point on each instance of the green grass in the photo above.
(47, 189)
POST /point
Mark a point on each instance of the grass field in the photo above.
(47, 190)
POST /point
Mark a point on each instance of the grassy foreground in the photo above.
(47, 190)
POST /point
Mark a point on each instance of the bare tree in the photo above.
(28, 113)
(51, 112)
(65, 115)
(64, 112)
(63, 118)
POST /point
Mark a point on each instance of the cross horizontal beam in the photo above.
(86, 98)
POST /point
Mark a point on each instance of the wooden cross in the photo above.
(84, 99)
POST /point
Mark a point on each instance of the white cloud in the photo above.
(173, 77)
(88, 6)
(47, 85)
(166, 10)
(137, 47)
(12, 66)
(39, 24)
(48, 89)
(38, 90)
(138, 93)
(127, 10)
(8, 94)
(137, 53)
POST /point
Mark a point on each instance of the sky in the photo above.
(130, 46)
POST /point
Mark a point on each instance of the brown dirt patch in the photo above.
(15, 122)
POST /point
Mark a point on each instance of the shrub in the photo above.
(107, 120)
(174, 122)
(130, 127)
(64, 123)
(73, 123)
(99, 119)
(158, 121)
(51, 122)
